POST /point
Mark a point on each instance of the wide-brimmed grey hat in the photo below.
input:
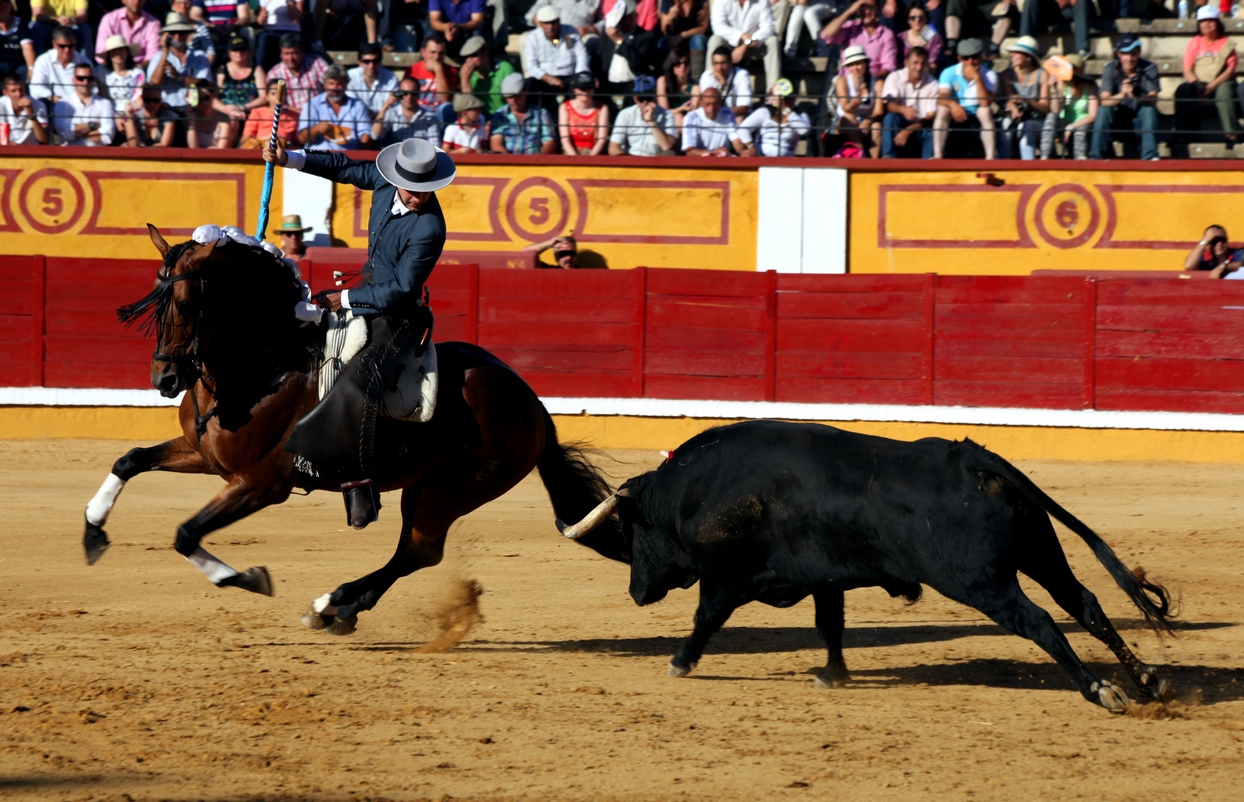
(472, 46)
(416, 165)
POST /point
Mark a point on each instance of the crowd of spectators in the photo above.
(591, 77)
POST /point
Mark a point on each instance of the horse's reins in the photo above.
(193, 359)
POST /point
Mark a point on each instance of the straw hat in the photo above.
(853, 54)
(292, 224)
(117, 41)
(1025, 44)
(177, 23)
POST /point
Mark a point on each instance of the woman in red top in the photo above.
(1209, 77)
(582, 120)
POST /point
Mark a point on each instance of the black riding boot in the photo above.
(362, 502)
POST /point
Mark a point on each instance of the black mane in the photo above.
(151, 307)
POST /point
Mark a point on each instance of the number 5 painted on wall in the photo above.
(540, 209)
(53, 205)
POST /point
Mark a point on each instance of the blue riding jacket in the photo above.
(401, 250)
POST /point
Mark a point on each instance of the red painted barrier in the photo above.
(1062, 342)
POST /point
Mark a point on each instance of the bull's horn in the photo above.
(593, 519)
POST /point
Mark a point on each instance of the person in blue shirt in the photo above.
(334, 120)
(406, 234)
(457, 21)
(965, 91)
(1215, 254)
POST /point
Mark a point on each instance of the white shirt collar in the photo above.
(399, 208)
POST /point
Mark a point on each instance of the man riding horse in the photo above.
(406, 236)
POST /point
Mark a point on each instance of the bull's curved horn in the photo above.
(593, 519)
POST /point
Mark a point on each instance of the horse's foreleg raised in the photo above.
(176, 455)
(237, 500)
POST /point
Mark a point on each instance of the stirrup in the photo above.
(362, 502)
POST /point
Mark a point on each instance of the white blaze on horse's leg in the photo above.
(212, 568)
(322, 606)
(98, 508)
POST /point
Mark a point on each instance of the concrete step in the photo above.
(1214, 150)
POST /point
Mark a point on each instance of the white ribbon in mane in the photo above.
(304, 310)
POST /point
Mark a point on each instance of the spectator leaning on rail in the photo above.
(910, 96)
(553, 54)
(334, 120)
(370, 82)
(480, 77)
(710, 129)
(860, 26)
(26, 117)
(1025, 88)
(1129, 92)
(1215, 254)
(132, 24)
(465, 135)
(303, 75)
(775, 128)
(83, 117)
(17, 47)
(47, 15)
(734, 84)
(644, 129)
(173, 68)
(520, 127)
(1073, 110)
(402, 117)
(965, 92)
(1209, 72)
(258, 126)
(749, 28)
(52, 76)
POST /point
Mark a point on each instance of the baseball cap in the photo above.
(1127, 43)
(472, 46)
(513, 84)
(238, 43)
(1208, 12)
(584, 80)
(970, 47)
(548, 14)
(645, 85)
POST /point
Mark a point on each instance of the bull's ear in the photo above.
(158, 240)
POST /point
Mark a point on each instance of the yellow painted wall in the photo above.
(960, 223)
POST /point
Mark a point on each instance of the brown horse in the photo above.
(226, 334)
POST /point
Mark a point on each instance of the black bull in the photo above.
(775, 512)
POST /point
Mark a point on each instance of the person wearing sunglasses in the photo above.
(920, 33)
(52, 76)
(965, 92)
(860, 25)
(84, 118)
(1215, 254)
(370, 82)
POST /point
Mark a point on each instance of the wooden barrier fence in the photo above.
(1044, 342)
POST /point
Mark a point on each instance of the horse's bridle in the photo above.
(193, 359)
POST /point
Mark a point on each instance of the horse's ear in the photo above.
(200, 255)
(157, 240)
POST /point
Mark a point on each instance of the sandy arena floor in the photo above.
(137, 680)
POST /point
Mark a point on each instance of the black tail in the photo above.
(575, 487)
(1150, 596)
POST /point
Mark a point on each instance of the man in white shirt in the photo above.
(910, 96)
(370, 82)
(52, 76)
(709, 130)
(644, 129)
(553, 54)
(749, 28)
(84, 118)
(26, 117)
(734, 83)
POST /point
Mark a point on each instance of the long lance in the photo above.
(269, 169)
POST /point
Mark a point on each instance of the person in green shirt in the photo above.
(480, 76)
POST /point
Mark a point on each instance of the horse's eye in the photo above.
(183, 307)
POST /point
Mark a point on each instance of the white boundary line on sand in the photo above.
(664, 408)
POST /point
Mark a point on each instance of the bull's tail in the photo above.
(1151, 597)
(575, 487)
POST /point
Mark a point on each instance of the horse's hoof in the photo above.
(256, 579)
(342, 626)
(1159, 689)
(675, 670)
(831, 679)
(313, 620)
(95, 541)
(1111, 697)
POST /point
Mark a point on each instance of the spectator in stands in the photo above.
(370, 82)
(334, 120)
(910, 96)
(48, 15)
(1073, 110)
(241, 81)
(258, 128)
(200, 41)
(51, 78)
(582, 15)
(710, 129)
(810, 14)
(734, 84)
(553, 55)
(291, 231)
(209, 128)
(437, 79)
(1214, 253)
(480, 77)
(684, 24)
(644, 129)
(919, 33)
(520, 127)
(456, 20)
(465, 135)
(121, 76)
(174, 69)
(860, 26)
(676, 88)
(583, 121)
(26, 117)
(626, 51)
(276, 18)
(17, 47)
(151, 124)
(964, 94)
(1129, 93)
(858, 106)
(775, 128)
(83, 117)
(565, 252)
(133, 25)
(403, 20)
(1209, 72)
(1040, 16)
(987, 20)
(303, 75)
(749, 28)
(402, 117)
(226, 19)
(351, 21)
(1025, 87)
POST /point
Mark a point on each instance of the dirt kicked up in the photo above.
(136, 679)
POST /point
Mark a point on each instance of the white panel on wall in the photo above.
(779, 235)
(310, 197)
(825, 220)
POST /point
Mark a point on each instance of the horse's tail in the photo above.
(575, 487)
(1148, 595)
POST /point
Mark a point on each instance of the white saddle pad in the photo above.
(413, 396)
(346, 335)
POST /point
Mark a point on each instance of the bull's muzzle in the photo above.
(593, 519)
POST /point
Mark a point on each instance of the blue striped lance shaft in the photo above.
(269, 168)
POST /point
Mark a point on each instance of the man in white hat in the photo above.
(553, 54)
(406, 234)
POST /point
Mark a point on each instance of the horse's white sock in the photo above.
(98, 508)
(212, 568)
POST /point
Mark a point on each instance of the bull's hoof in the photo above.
(676, 669)
(342, 626)
(1111, 697)
(829, 678)
(95, 542)
(256, 579)
(313, 620)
